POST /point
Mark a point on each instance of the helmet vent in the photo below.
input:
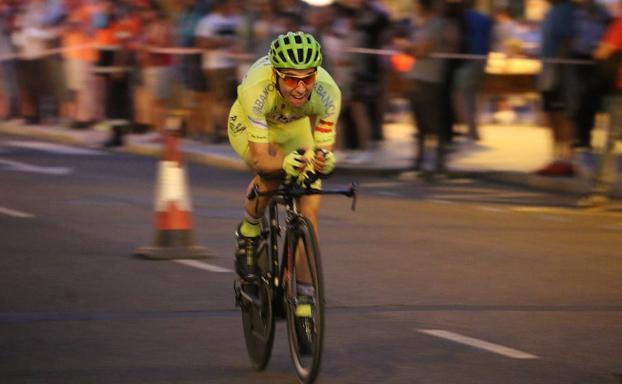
(298, 39)
(290, 53)
(301, 55)
(282, 57)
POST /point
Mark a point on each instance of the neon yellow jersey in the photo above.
(265, 107)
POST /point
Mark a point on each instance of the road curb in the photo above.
(39, 133)
(576, 186)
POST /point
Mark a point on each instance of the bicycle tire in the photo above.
(307, 367)
(258, 318)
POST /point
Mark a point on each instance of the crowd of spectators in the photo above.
(130, 62)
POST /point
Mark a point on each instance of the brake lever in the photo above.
(253, 194)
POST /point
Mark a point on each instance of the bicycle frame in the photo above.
(286, 195)
(273, 294)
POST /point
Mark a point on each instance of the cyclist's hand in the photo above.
(308, 176)
(296, 161)
(324, 161)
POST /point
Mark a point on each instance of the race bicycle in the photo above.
(273, 293)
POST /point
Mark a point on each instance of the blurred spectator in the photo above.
(609, 52)
(56, 14)
(130, 30)
(432, 34)
(371, 29)
(269, 21)
(8, 75)
(292, 7)
(335, 42)
(504, 30)
(590, 22)
(319, 20)
(470, 75)
(101, 19)
(40, 75)
(553, 82)
(137, 15)
(257, 27)
(113, 30)
(78, 64)
(454, 15)
(156, 67)
(217, 32)
(190, 71)
(504, 41)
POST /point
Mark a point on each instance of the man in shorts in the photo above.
(283, 122)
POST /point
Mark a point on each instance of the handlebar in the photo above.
(293, 190)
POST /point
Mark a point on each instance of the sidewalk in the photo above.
(506, 153)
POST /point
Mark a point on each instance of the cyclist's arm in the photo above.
(265, 158)
(325, 126)
(325, 105)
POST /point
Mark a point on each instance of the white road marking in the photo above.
(15, 213)
(388, 193)
(477, 343)
(567, 211)
(203, 266)
(490, 209)
(438, 201)
(553, 218)
(461, 181)
(54, 148)
(24, 167)
(381, 184)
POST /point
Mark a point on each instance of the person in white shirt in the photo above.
(217, 32)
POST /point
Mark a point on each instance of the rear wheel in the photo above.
(305, 357)
(258, 324)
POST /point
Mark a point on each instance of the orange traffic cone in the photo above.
(173, 239)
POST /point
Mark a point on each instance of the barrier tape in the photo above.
(248, 57)
(45, 52)
(465, 56)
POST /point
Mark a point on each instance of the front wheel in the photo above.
(306, 354)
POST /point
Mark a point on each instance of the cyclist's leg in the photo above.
(238, 127)
(256, 207)
(247, 234)
(309, 206)
(299, 135)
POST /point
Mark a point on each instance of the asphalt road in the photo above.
(456, 281)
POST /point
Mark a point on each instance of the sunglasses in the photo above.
(293, 80)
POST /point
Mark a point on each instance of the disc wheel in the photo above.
(258, 315)
(258, 324)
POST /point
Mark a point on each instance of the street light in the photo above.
(319, 3)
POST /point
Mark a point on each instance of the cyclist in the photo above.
(286, 103)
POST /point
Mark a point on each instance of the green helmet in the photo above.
(297, 50)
